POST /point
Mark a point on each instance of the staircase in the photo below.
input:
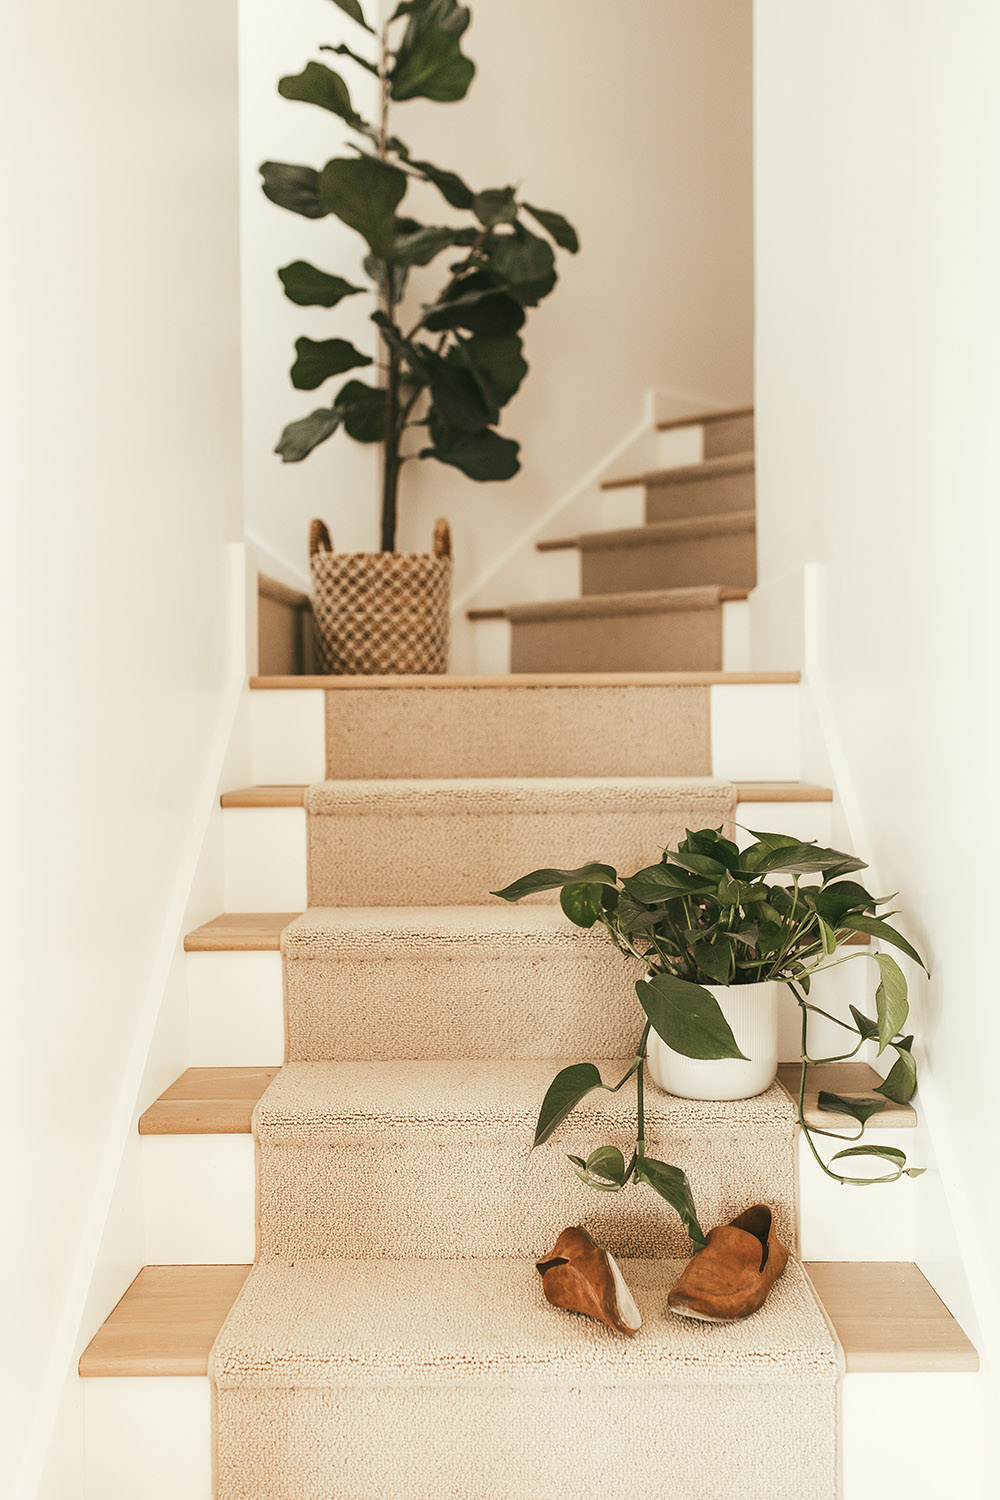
(361, 990)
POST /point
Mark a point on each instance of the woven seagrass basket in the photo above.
(381, 612)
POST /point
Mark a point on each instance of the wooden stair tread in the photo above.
(746, 791)
(240, 932)
(709, 468)
(207, 1101)
(849, 1079)
(655, 533)
(699, 419)
(886, 1314)
(522, 679)
(220, 1101)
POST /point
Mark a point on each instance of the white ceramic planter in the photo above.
(752, 1013)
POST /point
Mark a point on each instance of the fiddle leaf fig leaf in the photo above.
(459, 402)
(311, 288)
(858, 1109)
(418, 247)
(484, 456)
(497, 364)
(875, 927)
(687, 1017)
(559, 228)
(342, 50)
(300, 438)
(364, 194)
(581, 903)
(294, 188)
(362, 408)
(525, 264)
(563, 1095)
(319, 359)
(902, 1080)
(353, 9)
(431, 65)
(318, 84)
(495, 206)
(485, 310)
(672, 1185)
(890, 1000)
(551, 880)
(451, 187)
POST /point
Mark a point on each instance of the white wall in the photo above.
(634, 121)
(878, 320)
(121, 470)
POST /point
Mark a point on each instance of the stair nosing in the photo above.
(657, 533)
(518, 680)
(640, 602)
(705, 418)
(709, 468)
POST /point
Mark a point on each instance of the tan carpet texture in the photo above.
(392, 1341)
(450, 982)
(449, 843)
(409, 1160)
(378, 1380)
(518, 731)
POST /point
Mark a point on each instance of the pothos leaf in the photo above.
(563, 1095)
(672, 1185)
(581, 903)
(859, 1109)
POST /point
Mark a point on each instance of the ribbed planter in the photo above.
(381, 613)
(752, 1013)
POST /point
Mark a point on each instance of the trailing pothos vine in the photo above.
(451, 366)
(711, 913)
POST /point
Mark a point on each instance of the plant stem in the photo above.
(390, 442)
(640, 1138)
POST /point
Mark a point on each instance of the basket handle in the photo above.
(442, 538)
(319, 538)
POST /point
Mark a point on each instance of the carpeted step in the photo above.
(449, 843)
(718, 484)
(452, 982)
(687, 553)
(723, 432)
(455, 1379)
(406, 1160)
(648, 729)
(661, 630)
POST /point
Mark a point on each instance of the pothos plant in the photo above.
(710, 913)
(449, 369)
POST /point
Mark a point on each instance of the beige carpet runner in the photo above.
(392, 1341)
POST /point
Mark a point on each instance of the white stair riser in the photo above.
(678, 447)
(265, 858)
(289, 735)
(265, 848)
(151, 1439)
(199, 1193)
(198, 1199)
(755, 726)
(237, 1009)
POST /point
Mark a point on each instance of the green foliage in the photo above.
(456, 359)
(710, 913)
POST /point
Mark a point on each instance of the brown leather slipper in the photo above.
(732, 1276)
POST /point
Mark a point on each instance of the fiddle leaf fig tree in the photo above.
(450, 367)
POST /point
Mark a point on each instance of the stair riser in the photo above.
(372, 1191)
(734, 435)
(266, 854)
(672, 641)
(237, 1008)
(400, 855)
(572, 731)
(752, 727)
(730, 560)
(199, 1217)
(700, 497)
(151, 1438)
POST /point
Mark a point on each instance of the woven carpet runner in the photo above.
(392, 1341)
